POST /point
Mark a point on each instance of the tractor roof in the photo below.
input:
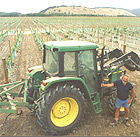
(70, 45)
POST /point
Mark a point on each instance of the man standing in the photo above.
(123, 88)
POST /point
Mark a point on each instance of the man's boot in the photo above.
(127, 123)
(114, 123)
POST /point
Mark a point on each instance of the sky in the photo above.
(35, 6)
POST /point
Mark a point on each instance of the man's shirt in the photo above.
(123, 90)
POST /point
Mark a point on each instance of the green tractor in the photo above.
(69, 78)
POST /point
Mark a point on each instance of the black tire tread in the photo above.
(47, 98)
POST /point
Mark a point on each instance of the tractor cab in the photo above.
(71, 59)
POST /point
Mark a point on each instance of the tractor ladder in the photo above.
(95, 98)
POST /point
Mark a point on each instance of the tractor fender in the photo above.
(75, 81)
(36, 73)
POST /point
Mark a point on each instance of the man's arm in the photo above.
(107, 85)
(133, 93)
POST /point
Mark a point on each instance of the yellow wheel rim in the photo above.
(122, 108)
(64, 112)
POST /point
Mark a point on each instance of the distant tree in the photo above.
(63, 6)
(12, 14)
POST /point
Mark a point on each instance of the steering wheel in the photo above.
(74, 65)
(83, 66)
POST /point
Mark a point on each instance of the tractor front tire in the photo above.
(61, 109)
(112, 101)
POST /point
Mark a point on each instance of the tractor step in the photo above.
(96, 103)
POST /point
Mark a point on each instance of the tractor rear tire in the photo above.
(61, 109)
(111, 103)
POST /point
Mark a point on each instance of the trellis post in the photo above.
(124, 49)
(5, 70)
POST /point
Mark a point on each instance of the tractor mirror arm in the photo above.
(102, 71)
(44, 54)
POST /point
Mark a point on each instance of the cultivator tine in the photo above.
(5, 121)
(5, 124)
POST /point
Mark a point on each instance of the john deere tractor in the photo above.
(69, 79)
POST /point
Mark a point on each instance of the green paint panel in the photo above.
(36, 73)
(54, 80)
(116, 75)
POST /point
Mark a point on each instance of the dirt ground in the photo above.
(93, 124)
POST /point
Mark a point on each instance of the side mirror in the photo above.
(44, 54)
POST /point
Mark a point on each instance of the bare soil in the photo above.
(93, 125)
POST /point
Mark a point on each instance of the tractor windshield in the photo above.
(69, 63)
(52, 61)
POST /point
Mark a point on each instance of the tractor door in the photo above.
(88, 68)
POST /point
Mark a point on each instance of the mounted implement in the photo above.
(8, 96)
(71, 74)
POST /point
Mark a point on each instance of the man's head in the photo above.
(125, 79)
